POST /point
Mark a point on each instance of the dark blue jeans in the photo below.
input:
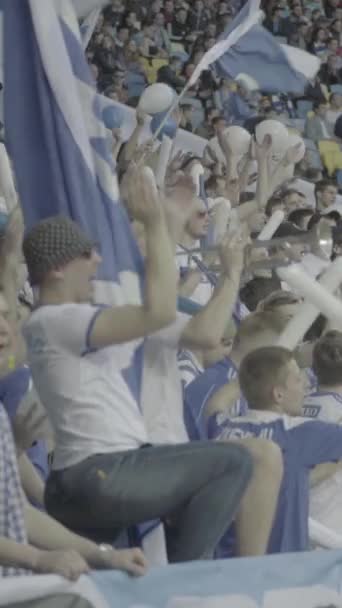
(197, 486)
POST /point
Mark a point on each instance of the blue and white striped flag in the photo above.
(60, 148)
(277, 68)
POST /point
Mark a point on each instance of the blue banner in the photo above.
(301, 580)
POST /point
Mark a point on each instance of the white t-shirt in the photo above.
(89, 404)
(323, 405)
(162, 396)
(326, 497)
(204, 289)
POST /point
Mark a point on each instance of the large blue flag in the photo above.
(276, 67)
(60, 148)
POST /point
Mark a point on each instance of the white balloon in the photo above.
(278, 132)
(156, 98)
(239, 140)
(294, 140)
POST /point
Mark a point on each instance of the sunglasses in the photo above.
(202, 214)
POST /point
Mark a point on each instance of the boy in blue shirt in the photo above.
(274, 387)
(210, 380)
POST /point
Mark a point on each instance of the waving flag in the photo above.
(277, 68)
(60, 149)
(250, 15)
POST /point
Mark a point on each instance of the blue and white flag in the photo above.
(251, 15)
(277, 68)
(59, 144)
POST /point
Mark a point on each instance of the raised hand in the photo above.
(232, 252)
(143, 201)
(177, 161)
(179, 203)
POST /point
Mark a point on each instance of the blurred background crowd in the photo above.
(233, 166)
(136, 44)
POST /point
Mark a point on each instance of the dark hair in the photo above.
(212, 182)
(186, 106)
(323, 184)
(327, 358)
(298, 214)
(312, 173)
(258, 289)
(246, 197)
(274, 201)
(217, 119)
(316, 329)
(251, 123)
(188, 161)
(317, 217)
(288, 229)
(260, 370)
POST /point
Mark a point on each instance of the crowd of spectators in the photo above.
(96, 458)
(136, 44)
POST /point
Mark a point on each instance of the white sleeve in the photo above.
(171, 335)
(71, 327)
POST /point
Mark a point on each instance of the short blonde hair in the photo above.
(278, 298)
(260, 371)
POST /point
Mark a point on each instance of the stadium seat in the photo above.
(151, 67)
(331, 155)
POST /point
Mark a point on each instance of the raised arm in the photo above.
(133, 142)
(124, 323)
(223, 399)
(205, 330)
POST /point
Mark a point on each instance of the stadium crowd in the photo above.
(235, 440)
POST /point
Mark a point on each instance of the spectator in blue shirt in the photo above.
(273, 385)
(210, 384)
